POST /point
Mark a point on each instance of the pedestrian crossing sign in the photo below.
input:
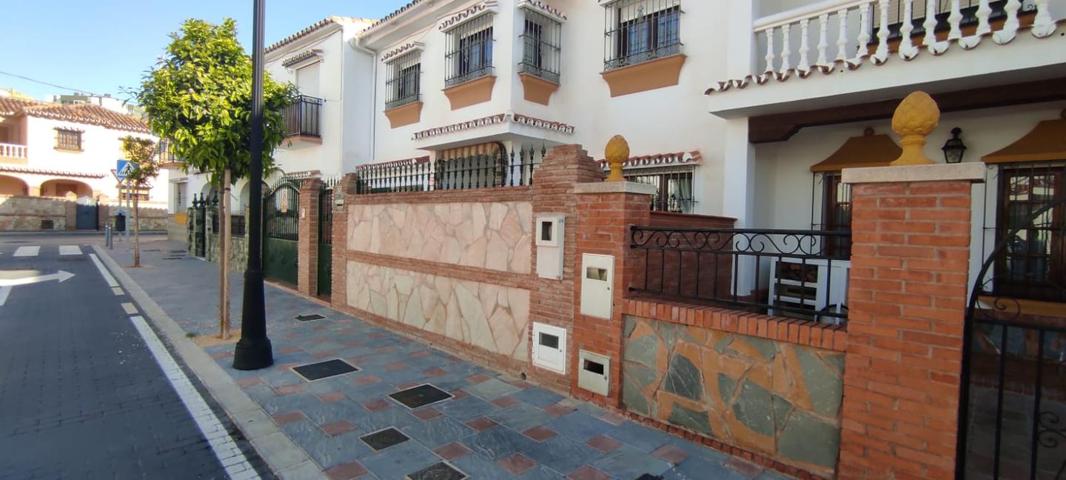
(124, 168)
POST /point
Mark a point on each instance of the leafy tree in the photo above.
(199, 97)
(144, 166)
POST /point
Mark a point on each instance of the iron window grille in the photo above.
(640, 30)
(541, 46)
(673, 187)
(831, 210)
(404, 84)
(302, 118)
(469, 51)
(68, 139)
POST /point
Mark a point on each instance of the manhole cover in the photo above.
(309, 317)
(420, 396)
(183, 252)
(320, 370)
(438, 471)
(383, 439)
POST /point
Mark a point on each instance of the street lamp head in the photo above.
(954, 148)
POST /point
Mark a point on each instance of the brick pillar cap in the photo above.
(941, 172)
(614, 187)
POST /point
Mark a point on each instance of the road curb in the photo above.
(287, 459)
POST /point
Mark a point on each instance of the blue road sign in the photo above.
(122, 168)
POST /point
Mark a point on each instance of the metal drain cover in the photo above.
(420, 396)
(326, 369)
(383, 439)
(438, 471)
(309, 317)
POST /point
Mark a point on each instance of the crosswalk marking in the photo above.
(27, 251)
(69, 250)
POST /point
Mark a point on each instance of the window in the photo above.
(1031, 219)
(125, 194)
(836, 213)
(68, 139)
(404, 82)
(179, 196)
(469, 51)
(641, 30)
(673, 185)
(541, 40)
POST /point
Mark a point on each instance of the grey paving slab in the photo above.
(389, 362)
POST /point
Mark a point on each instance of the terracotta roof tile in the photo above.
(87, 114)
(314, 27)
(11, 106)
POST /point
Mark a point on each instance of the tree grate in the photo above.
(326, 369)
(383, 439)
(437, 471)
(420, 396)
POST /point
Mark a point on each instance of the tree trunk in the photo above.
(136, 230)
(223, 256)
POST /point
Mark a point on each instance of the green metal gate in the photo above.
(281, 214)
(325, 238)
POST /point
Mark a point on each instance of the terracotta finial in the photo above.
(915, 118)
(617, 152)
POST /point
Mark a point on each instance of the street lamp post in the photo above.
(253, 350)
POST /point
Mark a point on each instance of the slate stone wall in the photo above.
(767, 396)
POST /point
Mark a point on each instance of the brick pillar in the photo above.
(551, 300)
(907, 302)
(605, 212)
(307, 248)
(343, 194)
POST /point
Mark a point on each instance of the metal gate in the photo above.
(86, 217)
(281, 213)
(325, 238)
(1012, 415)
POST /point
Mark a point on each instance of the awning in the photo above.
(867, 150)
(1046, 142)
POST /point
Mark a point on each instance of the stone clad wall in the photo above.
(768, 396)
(495, 236)
(26, 213)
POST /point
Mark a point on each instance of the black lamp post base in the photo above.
(253, 354)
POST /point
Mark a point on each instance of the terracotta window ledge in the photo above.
(405, 114)
(471, 92)
(653, 74)
(290, 139)
(537, 89)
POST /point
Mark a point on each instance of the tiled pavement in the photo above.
(494, 427)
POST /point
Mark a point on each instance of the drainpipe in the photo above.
(354, 43)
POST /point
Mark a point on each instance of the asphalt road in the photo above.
(81, 394)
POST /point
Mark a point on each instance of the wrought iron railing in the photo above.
(778, 272)
(303, 117)
(673, 188)
(469, 54)
(404, 84)
(541, 45)
(496, 168)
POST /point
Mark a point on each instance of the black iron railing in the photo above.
(469, 54)
(640, 30)
(673, 188)
(491, 168)
(541, 45)
(303, 117)
(404, 84)
(778, 272)
(919, 12)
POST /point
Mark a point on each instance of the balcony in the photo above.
(13, 153)
(873, 50)
(303, 121)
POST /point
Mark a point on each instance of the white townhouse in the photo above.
(68, 151)
(329, 128)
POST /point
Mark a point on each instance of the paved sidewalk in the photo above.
(495, 427)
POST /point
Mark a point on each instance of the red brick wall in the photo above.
(907, 297)
(307, 247)
(604, 229)
(552, 301)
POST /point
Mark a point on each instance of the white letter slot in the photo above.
(597, 277)
(550, 228)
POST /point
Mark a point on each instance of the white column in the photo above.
(738, 172)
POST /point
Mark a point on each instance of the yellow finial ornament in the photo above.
(915, 118)
(617, 152)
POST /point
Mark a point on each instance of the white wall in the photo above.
(672, 119)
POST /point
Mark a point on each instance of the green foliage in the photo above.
(199, 97)
(141, 152)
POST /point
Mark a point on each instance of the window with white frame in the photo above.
(541, 44)
(469, 54)
(640, 30)
(403, 85)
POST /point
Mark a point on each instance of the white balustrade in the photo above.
(856, 38)
(10, 150)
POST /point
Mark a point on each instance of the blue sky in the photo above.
(104, 46)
